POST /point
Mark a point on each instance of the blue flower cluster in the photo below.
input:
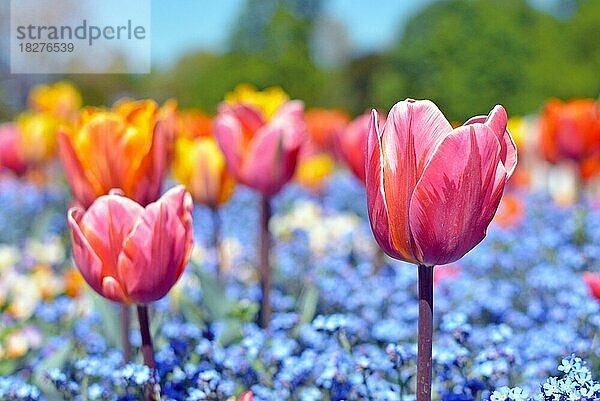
(345, 319)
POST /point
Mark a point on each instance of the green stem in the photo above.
(216, 220)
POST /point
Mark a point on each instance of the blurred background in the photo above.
(464, 55)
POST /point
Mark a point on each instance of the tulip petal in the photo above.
(230, 136)
(86, 259)
(272, 157)
(458, 195)
(411, 133)
(378, 215)
(106, 224)
(250, 118)
(112, 290)
(82, 190)
(246, 396)
(593, 282)
(158, 248)
(146, 182)
(352, 145)
(497, 121)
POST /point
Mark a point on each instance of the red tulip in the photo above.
(352, 144)
(11, 154)
(131, 254)
(433, 190)
(593, 282)
(261, 153)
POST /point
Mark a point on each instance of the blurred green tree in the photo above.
(469, 55)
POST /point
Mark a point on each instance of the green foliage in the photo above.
(466, 55)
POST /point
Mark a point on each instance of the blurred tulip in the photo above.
(11, 151)
(510, 212)
(324, 126)
(593, 282)
(199, 164)
(38, 133)
(131, 254)
(260, 134)
(247, 396)
(60, 99)
(74, 282)
(517, 126)
(570, 130)
(125, 148)
(352, 144)
(267, 101)
(446, 273)
(432, 190)
(313, 171)
(193, 124)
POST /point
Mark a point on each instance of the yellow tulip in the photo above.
(199, 164)
(268, 101)
(38, 133)
(517, 126)
(60, 99)
(313, 171)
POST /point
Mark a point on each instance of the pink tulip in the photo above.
(131, 254)
(11, 152)
(352, 144)
(432, 190)
(261, 153)
(593, 282)
(247, 396)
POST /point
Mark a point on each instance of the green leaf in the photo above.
(54, 360)
(214, 297)
(308, 303)
(111, 322)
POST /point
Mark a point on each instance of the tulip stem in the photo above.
(125, 328)
(216, 220)
(265, 266)
(147, 347)
(425, 333)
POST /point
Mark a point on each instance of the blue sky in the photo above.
(179, 26)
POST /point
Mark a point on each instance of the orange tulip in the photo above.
(571, 130)
(125, 148)
(193, 124)
(131, 254)
(324, 126)
(510, 212)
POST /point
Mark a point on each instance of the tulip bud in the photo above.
(261, 144)
(131, 254)
(433, 190)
